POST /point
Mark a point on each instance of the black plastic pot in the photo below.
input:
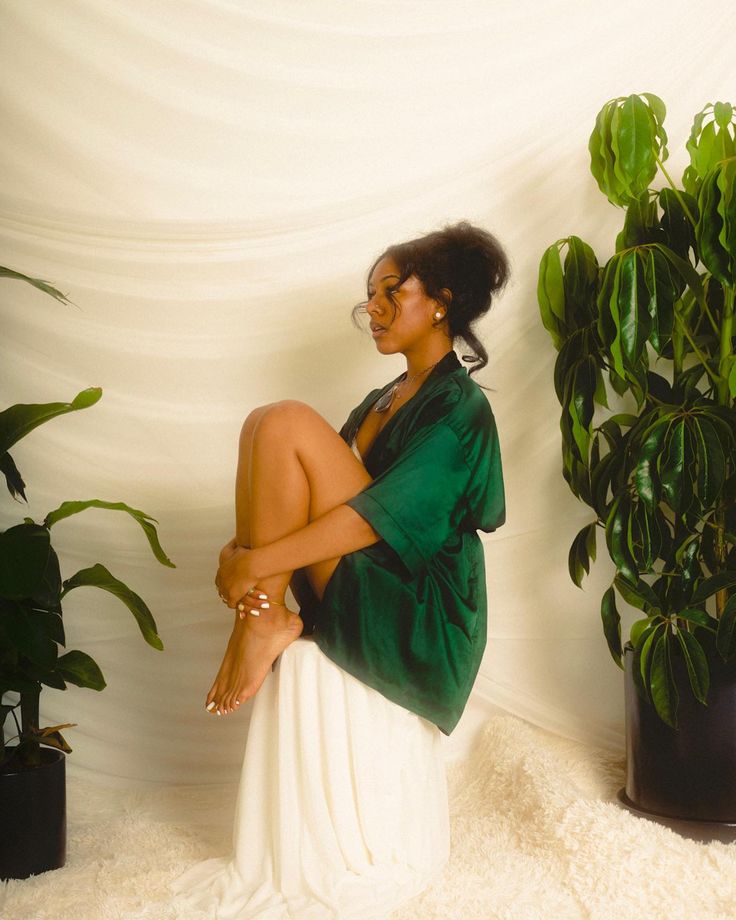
(33, 810)
(688, 773)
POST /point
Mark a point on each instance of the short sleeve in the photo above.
(414, 505)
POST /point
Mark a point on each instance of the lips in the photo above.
(377, 328)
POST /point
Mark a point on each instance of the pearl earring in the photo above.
(438, 315)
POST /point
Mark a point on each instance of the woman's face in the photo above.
(412, 324)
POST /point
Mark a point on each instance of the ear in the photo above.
(447, 294)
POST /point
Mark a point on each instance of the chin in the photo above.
(385, 348)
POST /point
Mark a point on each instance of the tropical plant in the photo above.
(660, 477)
(32, 590)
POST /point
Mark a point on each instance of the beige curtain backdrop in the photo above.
(208, 181)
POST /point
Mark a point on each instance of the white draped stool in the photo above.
(342, 810)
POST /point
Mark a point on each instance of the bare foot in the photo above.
(254, 644)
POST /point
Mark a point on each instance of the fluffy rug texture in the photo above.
(537, 832)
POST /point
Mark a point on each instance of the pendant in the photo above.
(384, 403)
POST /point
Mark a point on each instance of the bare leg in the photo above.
(292, 468)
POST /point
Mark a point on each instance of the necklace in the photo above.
(384, 403)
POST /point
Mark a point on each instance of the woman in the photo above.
(342, 807)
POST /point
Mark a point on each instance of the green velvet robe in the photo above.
(407, 615)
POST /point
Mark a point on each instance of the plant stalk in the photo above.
(724, 399)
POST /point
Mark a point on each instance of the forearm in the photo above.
(335, 533)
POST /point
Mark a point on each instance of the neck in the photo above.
(426, 357)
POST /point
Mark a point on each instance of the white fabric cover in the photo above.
(342, 810)
(209, 180)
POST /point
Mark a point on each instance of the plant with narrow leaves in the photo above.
(660, 478)
(31, 587)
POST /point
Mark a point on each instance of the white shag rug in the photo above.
(537, 833)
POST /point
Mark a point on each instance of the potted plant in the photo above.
(32, 775)
(656, 323)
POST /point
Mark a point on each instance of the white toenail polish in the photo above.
(265, 606)
(263, 597)
(256, 613)
(211, 706)
(219, 713)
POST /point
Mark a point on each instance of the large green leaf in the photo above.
(28, 634)
(677, 227)
(18, 420)
(711, 461)
(612, 625)
(633, 306)
(716, 227)
(578, 395)
(712, 584)
(646, 479)
(78, 668)
(664, 287)
(580, 280)
(626, 141)
(98, 576)
(24, 551)
(662, 683)
(551, 294)
(641, 224)
(617, 528)
(581, 552)
(676, 459)
(709, 142)
(639, 594)
(697, 665)
(66, 509)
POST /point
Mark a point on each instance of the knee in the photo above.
(280, 416)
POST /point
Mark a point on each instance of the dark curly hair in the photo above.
(466, 260)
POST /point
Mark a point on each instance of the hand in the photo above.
(235, 576)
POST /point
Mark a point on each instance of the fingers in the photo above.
(253, 602)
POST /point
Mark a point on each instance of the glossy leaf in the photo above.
(677, 227)
(709, 142)
(98, 576)
(637, 630)
(66, 509)
(677, 487)
(612, 625)
(709, 586)
(716, 227)
(662, 684)
(711, 461)
(581, 552)
(646, 479)
(697, 665)
(617, 526)
(80, 669)
(18, 420)
(24, 551)
(697, 616)
(624, 146)
(640, 594)
(551, 295)
(27, 634)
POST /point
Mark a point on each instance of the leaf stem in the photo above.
(675, 190)
(703, 360)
